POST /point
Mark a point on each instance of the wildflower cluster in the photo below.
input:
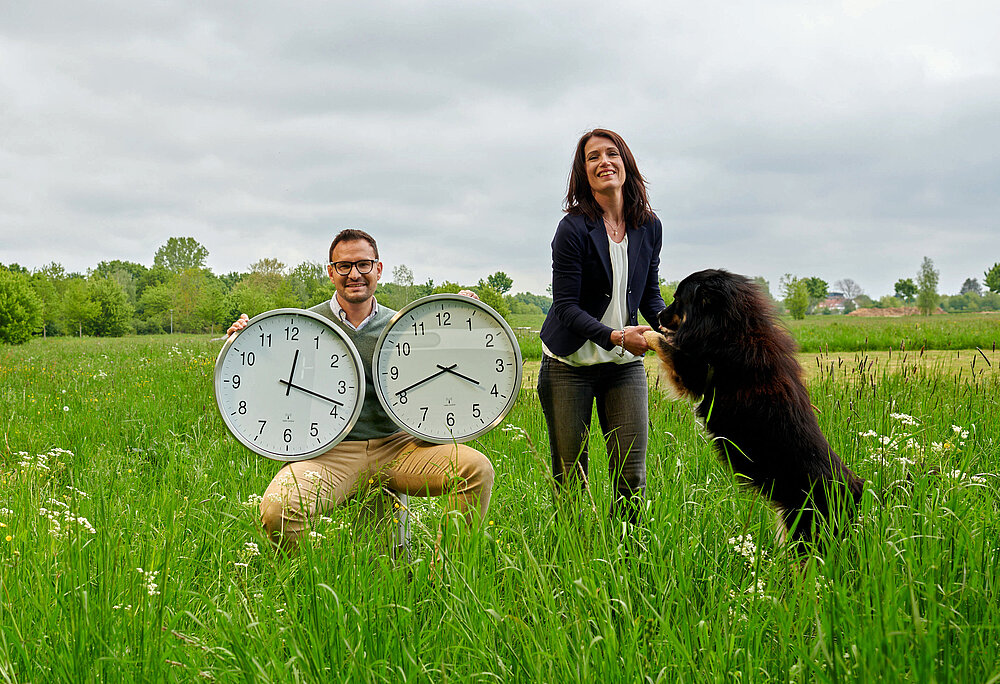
(903, 451)
(745, 546)
(149, 578)
(62, 521)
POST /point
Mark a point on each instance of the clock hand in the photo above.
(429, 377)
(291, 373)
(307, 391)
(464, 377)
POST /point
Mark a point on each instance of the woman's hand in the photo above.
(238, 325)
(634, 341)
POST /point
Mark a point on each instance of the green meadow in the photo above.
(129, 548)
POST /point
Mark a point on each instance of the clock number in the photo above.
(334, 360)
(342, 387)
(476, 413)
(489, 340)
(403, 348)
(423, 416)
(499, 365)
(495, 392)
(288, 435)
(242, 408)
(444, 318)
(314, 429)
(333, 411)
(262, 424)
(450, 420)
(316, 339)
(236, 382)
(469, 321)
(265, 338)
(394, 373)
(402, 397)
(247, 358)
(292, 333)
(416, 327)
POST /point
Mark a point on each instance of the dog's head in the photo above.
(713, 310)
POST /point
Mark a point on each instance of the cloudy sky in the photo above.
(821, 138)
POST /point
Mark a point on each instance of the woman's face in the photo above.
(605, 168)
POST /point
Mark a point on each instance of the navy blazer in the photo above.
(581, 282)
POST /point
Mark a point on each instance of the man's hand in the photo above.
(468, 293)
(237, 326)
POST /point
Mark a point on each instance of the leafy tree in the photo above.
(906, 289)
(490, 296)
(542, 302)
(307, 280)
(817, 289)
(993, 278)
(448, 287)
(795, 294)
(75, 305)
(927, 282)
(20, 307)
(889, 302)
(971, 285)
(111, 314)
(500, 282)
(179, 254)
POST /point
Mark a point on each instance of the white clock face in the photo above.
(290, 386)
(447, 368)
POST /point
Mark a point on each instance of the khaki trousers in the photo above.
(304, 489)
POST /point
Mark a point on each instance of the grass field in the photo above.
(129, 548)
(851, 334)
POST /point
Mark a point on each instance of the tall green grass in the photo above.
(133, 551)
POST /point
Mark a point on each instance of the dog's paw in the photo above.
(654, 339)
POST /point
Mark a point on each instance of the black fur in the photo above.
(720, 342)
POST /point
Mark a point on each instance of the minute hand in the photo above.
(453, 372)
(429, 377)
(309, 391)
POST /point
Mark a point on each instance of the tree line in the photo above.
(802, 296)
(178, 293)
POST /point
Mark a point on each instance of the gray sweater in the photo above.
(373, 421)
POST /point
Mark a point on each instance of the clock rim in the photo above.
(462, 299)
(358, 368)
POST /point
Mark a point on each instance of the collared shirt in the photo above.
(342, 315)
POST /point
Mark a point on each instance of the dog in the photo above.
(720, 342)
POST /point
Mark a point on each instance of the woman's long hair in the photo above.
(580, 198)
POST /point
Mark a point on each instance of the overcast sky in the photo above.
(830, 139)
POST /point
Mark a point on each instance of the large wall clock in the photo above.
(291, 385)
(447, 368)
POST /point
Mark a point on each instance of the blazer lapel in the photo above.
(600, 238)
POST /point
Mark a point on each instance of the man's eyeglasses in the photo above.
(344, 267)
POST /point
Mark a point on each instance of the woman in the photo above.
(605, 269)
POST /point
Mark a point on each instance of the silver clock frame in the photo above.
(466, 301)
(355, 361)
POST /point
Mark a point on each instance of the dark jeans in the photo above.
(568, 393)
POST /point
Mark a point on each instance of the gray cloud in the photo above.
(843, 140)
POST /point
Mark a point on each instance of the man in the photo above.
(376, 452)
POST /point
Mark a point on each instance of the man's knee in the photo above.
(475, 468)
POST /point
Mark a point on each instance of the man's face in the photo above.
(355, 287)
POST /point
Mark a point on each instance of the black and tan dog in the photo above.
(720, 342)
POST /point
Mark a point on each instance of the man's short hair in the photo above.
(351, 234)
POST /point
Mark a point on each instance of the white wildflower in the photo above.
(149, 577)
(904, 418)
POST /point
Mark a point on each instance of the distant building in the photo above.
(835, 302)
